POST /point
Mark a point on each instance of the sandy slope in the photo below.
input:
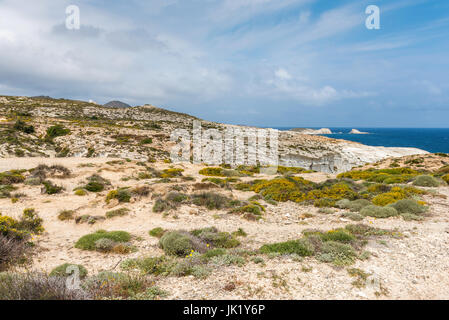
(414, 267)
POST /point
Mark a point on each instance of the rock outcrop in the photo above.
(355, 131)
(312, 131)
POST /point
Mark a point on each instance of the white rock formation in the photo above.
(355, 131)
(312, 131)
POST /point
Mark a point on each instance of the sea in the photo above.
(433, 140)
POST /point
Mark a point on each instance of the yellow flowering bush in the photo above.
(171, 173)
(446, 178)
(388, 176)
(213, 172)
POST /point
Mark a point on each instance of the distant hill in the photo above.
(116, 104)
(42, 97)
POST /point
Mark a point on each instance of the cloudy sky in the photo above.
(305, 63)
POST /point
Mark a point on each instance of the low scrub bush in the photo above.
(64, 271)
(122, 195)
(12, 251)
(23, 127)
(216, 238)
(378, 212)
(94, 186)
(157, 232)
(11, 177)
(213, 172)
(426, 181)
(88, 242)
(117, 213)
(116, 285)
(301, 247)
(387, 176)
(56, 131)
(250, 211)
(340, 254)
(211, 200)
(446, 178)
(339, 246)
(50, 188)
(171, 173)
(66, 215)
(409, 206)
(181, 243)
(37, 286)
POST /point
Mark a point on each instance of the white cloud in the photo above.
(282, 74)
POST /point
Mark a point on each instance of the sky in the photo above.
(270, 63)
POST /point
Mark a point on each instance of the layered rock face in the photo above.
(332, 155)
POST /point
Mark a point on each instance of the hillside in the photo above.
(143, 133)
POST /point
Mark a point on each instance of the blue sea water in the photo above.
(432, 140)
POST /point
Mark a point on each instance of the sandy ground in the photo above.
(413, 267)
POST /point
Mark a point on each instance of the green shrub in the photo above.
(339, 235)
(12, 251)
(411, 216)
(340, 254)
(94, 186)
(157, 232)
(37, 286)
(61, 271)
(56, 131)
(426, 181)
(253, 209)
(11, 177)
(122, 195)
(31, 222)
(301, 247)
(227, 260)
(117, 213)
(378, 212)
(87, 242)
(116, 285)
(176, 197)
(446, 178)
(146, 141)
(66, 215)
(23, 127)
(50, 188)
(80, 192)
(104, 245)
(181, 243)
(343, 203)
(353, 216)
(215, 238)
(326, 211)
(214, 172)
(408, 206)
(359, 204)
(171, 173)
(239, 233)
(211, 200)
(150, 265)
(214, 252)
(194, 265)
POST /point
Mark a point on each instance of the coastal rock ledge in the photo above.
(332, 155)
